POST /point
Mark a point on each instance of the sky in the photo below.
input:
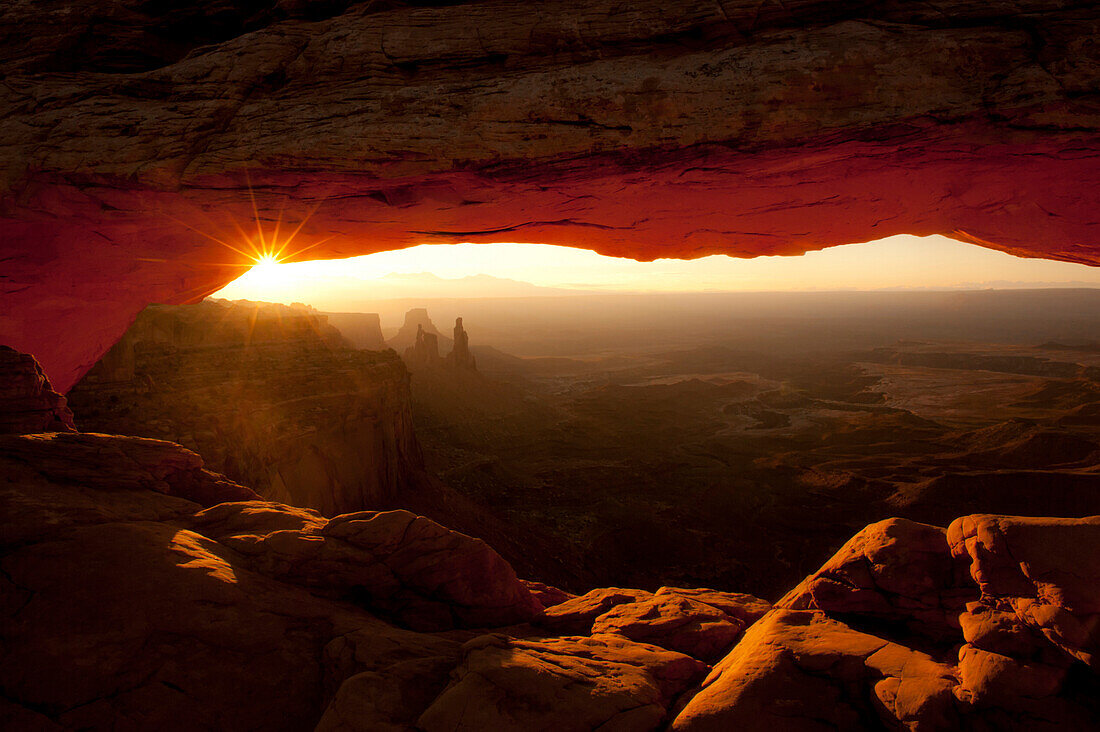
(899, 262)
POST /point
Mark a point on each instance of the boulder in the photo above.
(384, 681)
(674, 622)
(746, 608)
(800, 670)
(144, 625)
(1046, 570)
(255, 518)
(576, 615)
(113, 462)
(120, 613)
(895, 570)
(570, 684)
(396, 563)
(546, 594)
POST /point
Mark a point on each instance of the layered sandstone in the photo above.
(30, 403)
(134, 136)
(423, 354)
(270, 396)
(363, 330)
(460, 356)
(416, 321)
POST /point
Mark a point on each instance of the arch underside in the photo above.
(666, 129)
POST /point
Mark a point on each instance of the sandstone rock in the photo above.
(991, 679)
(894, 570)
(746, 608)
(799, 670)
(674, 622)
(385, 680)
(661, 129)
(270, 396)
(386, 701)
(118, 614)
(122, 611)
(565, 684)
(1029, 693)
(986, 626)
(1046, 569)
(460, 356)
(367, 650)
(114, 462)
(547, 595)
(423, 354)
(144, 624)
(401, 565)
(33, 507)
(576, 615)
(256, 518)
(17, 717)
(28, 404)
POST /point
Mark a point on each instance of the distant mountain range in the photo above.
(419, 285)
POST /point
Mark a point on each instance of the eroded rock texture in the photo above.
(30, 403)
(133, 133)
(270, 396)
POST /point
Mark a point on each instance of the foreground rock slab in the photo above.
(1047, 569)
(404, 566)
(895, 570)
(797, 670)
(567, 684)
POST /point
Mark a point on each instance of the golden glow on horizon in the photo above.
(899, 262)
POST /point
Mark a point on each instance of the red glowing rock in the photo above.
(655, 130)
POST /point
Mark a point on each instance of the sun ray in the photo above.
(261, 251)
(297, 229)
(255, 212)
(303, 250)
(212, 238)
(278, 224)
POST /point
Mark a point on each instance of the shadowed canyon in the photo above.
(545, 507)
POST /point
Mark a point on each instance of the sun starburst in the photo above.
(261, 250)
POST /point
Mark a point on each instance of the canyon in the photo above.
(219, 515)
(275, 398)
(271, 396)
(137, 584)
(740, 459)
(713, 444)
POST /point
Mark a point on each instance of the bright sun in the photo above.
(267, 273)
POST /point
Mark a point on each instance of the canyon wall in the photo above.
(143, 144)
(363, 330)
(269, 395)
